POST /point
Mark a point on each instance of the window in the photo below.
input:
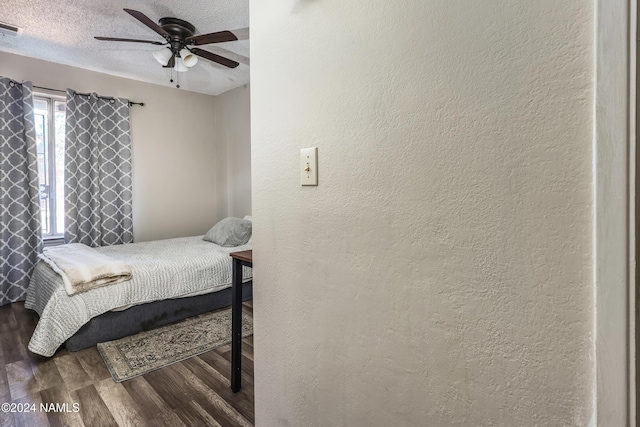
(49, 115)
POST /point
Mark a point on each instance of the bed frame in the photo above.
(113, 325)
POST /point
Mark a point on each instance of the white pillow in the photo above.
(229, 232)
(248, 217)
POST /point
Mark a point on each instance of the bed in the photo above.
(172, 279)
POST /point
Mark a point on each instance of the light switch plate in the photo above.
(309, 166)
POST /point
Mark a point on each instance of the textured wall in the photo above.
(173, 145)
(233, 155)
(440, 273)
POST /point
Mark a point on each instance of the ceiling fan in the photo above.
(179, 41)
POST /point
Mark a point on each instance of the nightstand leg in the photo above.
(236, 326)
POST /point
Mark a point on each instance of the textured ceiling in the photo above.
(62, 31)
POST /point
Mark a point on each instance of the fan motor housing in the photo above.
(178, 28)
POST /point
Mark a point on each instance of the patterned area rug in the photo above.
(138, 354)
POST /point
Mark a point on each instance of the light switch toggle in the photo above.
(309, 166)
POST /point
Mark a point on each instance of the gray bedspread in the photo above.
(162, 269)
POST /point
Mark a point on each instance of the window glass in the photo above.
(49, 117)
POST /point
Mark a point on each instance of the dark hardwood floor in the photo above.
(194, 392)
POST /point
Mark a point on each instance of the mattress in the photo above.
(163, 269)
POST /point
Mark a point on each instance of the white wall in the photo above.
(173, 140)
(233, 160)
(440, 274)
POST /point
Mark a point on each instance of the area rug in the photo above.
(147, 351)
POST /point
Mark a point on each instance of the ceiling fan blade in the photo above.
(171, 63)
(115, 39)
(215, 58)
(148, 22)
(219, 37)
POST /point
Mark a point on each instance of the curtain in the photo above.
(20, 232)
(98, 184)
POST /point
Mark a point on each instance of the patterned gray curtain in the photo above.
(98, 184)
(20, 232)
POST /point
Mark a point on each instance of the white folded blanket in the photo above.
(83, 268)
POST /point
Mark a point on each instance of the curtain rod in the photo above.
(77, 93)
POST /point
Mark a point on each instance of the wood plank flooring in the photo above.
(194, 392)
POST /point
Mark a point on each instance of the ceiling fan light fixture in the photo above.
(163, 56)
(178, 35)
(188, 58)
(179, 66)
